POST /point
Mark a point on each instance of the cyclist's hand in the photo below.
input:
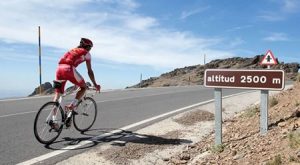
(98, 88)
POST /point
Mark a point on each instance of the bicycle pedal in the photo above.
(68, 122)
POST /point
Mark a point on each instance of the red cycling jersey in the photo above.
(75, 56)
(67, 64)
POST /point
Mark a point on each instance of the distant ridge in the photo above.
(193, 75)
(48, 89)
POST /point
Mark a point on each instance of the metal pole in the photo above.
(40, 60)
(218, 116)
(264, 100)
(141, 78)
(204, 59)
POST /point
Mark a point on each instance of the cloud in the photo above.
(272, 17)
(141, 23)
(285, 9)
(237, 28)
(291, 6)
(273, 37)
(189, 13)
(119, 33)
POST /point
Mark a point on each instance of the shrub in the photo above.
(218, 148)
(250, 111)
(277, 161)
(273, 102)
(297, 104)
(294, 139)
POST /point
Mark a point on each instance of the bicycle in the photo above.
(53, 116)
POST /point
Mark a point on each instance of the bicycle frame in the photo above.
(61, 101)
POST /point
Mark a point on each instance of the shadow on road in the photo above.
(121, 138)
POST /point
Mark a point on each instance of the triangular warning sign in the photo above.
(268, 59)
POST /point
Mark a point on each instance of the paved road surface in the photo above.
(117, 109)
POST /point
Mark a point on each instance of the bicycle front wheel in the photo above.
(87, 114)
(48, 123)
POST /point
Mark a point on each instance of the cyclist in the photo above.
(67, 70)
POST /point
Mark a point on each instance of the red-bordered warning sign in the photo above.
(268, 59)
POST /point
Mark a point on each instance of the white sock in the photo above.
(74, 102)
(69, 114)
(53, 117)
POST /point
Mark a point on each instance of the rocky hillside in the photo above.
(46, 89)
(193, 75)
(243, 143)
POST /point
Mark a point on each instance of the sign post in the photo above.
(264, 103)
(263, 80)
(218, 116)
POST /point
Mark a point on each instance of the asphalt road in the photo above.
(116, 109)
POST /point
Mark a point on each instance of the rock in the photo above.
(285, 131)
(297, 123)
(234, 152)
(46, 87)
(202, 162)
(239, 156)
(177, 161)
(298, 154)
(192, 146)
(185, 156)
(282, 124)
(165, 159)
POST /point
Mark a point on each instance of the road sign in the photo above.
(269, 59)
(245, 79)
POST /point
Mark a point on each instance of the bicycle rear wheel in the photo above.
(87, 114)
(48, 123)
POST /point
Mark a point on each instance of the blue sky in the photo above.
(138, 36)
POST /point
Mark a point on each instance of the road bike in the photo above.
(53, 116)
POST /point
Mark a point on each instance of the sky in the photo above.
(139, 37)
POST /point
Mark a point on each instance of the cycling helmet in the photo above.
(84, 42)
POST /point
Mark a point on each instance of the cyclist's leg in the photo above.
(61, 73)
(78, 80)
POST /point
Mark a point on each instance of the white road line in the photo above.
(16, 114)
(25, 98)
(99, 137)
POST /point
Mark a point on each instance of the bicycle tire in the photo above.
(84, 113)
(45, 124)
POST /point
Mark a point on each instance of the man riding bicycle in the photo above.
(67, 70)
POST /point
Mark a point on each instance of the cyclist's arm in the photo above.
(91, 72)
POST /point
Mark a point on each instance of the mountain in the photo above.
(47, 89)
(193, 75)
